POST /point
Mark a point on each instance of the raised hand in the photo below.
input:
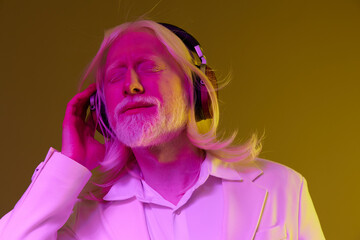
(78, 142)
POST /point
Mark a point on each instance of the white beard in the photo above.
(147, 128)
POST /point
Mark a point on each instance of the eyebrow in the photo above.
(113, 66)
(119, 62)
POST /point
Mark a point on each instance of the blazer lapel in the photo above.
(243, 204)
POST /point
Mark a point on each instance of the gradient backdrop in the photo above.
(295, 68)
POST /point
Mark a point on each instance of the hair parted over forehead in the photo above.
(202, 134)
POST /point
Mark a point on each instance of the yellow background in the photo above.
(295, 68)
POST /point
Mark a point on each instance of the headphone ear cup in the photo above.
(102, 123)
(209, 72)
(203, 108)
(199, 113)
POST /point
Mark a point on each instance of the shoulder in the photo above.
(275, 174)
(274, 168)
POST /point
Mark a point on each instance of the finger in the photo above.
(81, 98)
(79, 103)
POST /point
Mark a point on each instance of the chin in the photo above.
(149, 136)
(149, 141)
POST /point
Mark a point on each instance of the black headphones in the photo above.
(201, 95)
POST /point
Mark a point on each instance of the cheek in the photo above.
(173, 91)
(181, 87)
(111, 101)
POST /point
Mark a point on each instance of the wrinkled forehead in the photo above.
(136, 43)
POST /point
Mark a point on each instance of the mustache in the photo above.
(135, 100)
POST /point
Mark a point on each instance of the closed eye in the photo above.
(117, 74)
(149, 67)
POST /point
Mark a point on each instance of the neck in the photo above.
(170, 168)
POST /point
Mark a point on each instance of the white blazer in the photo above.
(269, 201)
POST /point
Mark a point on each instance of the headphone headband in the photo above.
(190, 42)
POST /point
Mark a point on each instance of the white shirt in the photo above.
(260, 201)
(164, 220)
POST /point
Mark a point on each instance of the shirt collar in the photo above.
(130, 185)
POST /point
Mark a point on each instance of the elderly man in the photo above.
(161, 173)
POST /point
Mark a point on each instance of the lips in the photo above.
(137, 105)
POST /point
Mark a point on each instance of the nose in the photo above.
(132, 84)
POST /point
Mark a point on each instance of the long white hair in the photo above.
(202, 134)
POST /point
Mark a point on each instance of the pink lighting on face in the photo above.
(141, 73)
